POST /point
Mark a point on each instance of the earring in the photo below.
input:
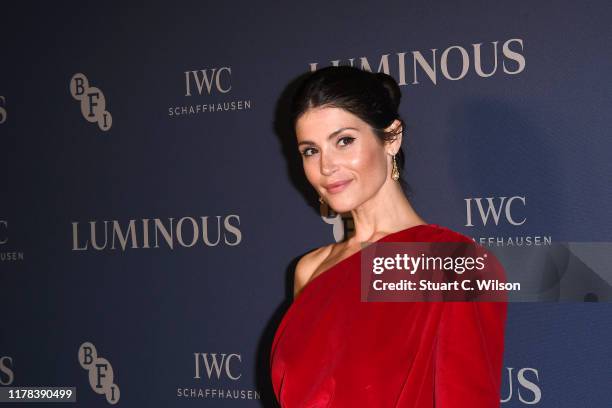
(395, 175)
(321, 200)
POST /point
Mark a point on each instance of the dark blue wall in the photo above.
(536, 128)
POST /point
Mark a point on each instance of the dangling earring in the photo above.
(321, 200)
(395, 175)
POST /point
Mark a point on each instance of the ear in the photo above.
(396, 129)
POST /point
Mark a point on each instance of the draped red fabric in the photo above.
(332, 350)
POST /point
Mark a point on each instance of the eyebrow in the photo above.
(332, 134)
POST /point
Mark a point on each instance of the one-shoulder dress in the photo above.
(332, 350)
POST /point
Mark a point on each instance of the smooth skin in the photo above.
(376, 202)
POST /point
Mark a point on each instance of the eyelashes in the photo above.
(349, 138)
(346, 139)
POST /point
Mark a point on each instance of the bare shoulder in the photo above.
(307, 264)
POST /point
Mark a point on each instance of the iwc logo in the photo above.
(505, 211)
(209, 91)
(93, 102)
(101, 376)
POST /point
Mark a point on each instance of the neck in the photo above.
(388, 211)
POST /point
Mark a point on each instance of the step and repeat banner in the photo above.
(153, 204)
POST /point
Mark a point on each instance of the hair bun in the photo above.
(391, 87)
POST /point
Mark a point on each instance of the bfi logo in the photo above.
(494, 207)
(101, 375)
(93, 102)
(221, 364)
(215, 79)
(341, 226)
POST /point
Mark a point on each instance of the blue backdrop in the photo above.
(153, 206)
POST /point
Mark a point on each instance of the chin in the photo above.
(341, 207)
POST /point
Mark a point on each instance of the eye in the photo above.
(348, 140)
(343, 141)
(306, 151)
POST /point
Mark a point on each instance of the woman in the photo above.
(330, 349)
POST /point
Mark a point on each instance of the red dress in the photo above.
(332, 350)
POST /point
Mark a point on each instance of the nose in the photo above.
(328, 163)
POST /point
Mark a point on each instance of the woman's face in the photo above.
(343, 159)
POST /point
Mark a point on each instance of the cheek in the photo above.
(370, 164)
(310, 170)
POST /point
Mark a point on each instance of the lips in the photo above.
(337, 186)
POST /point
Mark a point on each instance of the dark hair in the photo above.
(373, 97)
